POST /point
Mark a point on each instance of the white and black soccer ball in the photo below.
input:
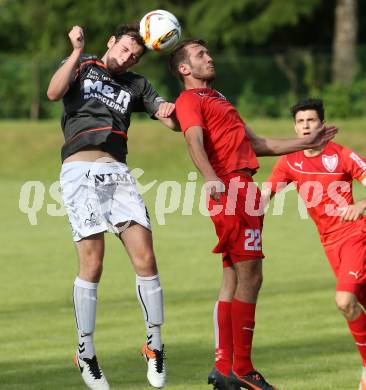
(160, 30)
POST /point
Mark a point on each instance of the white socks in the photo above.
(85, 304)
(150, 296)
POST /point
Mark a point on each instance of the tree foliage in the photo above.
(39, 25)
(233, 23)
(33, 39)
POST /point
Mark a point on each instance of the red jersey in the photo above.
(225, 140)
(325, 184)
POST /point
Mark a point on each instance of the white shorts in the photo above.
(99, 196)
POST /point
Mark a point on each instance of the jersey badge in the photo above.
(330, 162)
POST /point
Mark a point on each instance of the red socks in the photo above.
(242, 317)
(234, 327)
(223, 337)
(358, 330)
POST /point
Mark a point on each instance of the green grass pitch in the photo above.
(301, 342)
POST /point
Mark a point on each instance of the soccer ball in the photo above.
(160, 30)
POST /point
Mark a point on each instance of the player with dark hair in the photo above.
(313, 104)
(99, 193)
(323, 177)
(224, 149)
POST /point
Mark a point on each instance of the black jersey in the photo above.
(98, 108)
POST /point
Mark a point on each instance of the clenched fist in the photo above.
(76, 36)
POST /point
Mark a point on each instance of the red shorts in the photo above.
(238, 219)
(348, 261)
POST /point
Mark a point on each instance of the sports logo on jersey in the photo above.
(330, 162)
(299, 164)
(115, 98)
(354, 274)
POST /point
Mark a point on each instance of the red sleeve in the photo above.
(354, 165)
(189, 111)
(279, 177)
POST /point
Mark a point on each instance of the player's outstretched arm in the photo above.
(277, 147)
(166, 115)
(62, 78)
(194, 139)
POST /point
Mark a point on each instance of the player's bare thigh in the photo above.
(90, 252)
(139, 246)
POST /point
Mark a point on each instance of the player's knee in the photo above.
(95, 271)
(97, 268)
(227, 291)
(92, 267)
(145, 264)
(248, 289)
(257, 281)
(229, 283)
(347, 307)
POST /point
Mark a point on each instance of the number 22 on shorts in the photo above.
(252, 241)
